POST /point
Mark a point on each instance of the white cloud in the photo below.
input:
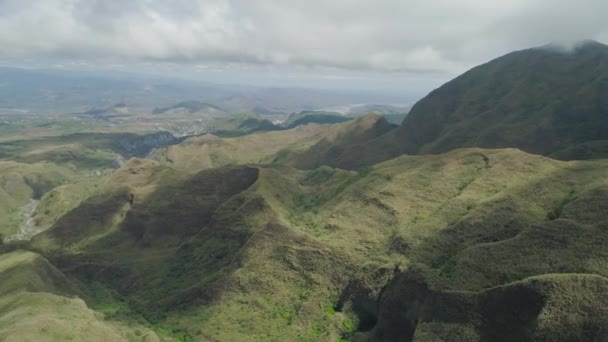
(416, 36)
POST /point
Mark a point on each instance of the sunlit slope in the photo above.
(209, 254)
(60, 172)
(306, 146)
(248, 252)
(20, 182)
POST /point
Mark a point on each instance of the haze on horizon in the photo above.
(386, 45)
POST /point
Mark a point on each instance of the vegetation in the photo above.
(319, 117)
(326, 232)
(541, 100)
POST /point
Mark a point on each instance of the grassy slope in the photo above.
(241, 124)
(306, 144)
(38, 303)
(541, 100)
(19, 182)
(550, 307)
(324, 240)
(468, 245)
(60, 171)
(221, 261)
(320, 117)
(58, 188)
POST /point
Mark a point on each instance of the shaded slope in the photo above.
(556, 307)
(201, 248)
(542, 100)
(38, 303)
(348, 147)
(304, 146)
(320, 117)
(20, 182)
(241, 124)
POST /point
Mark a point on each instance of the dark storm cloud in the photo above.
(415, 36)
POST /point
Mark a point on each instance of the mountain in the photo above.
(240, 124)
(320, 117)
(414, 246)
(45, 177)
(329, 232)
(543, 100)
(281, 101)
(190, 107)
(108, 112)
(39, 303)
(304, 144)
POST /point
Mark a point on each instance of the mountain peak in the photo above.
(551, 103)
(574, 46)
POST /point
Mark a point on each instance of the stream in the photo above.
(28, 228)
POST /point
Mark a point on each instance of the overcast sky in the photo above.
(359, 43)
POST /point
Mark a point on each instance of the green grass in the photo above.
(320, 117)
(38, 303)
(302, 235)
(209, 251)
(539, 100)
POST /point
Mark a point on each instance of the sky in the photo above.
(388, 45)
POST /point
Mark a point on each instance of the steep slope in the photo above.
(553, 307)
(259, 237)
(38, 303)
(544, 100)
(241, 124)
(249, 253)
(347, 148)
(19, 184)
(84, 150)
(320, 117)
(59, 172)
(303, 146)
(211, 247)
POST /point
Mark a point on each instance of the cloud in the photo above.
(442, 36)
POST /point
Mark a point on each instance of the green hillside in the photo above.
(319, 117)
(38, 303)
(328, 232)
(543, 100)
(60, 172)
(304, 146)
(248, 253)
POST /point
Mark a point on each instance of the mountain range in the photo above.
(483, 216)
